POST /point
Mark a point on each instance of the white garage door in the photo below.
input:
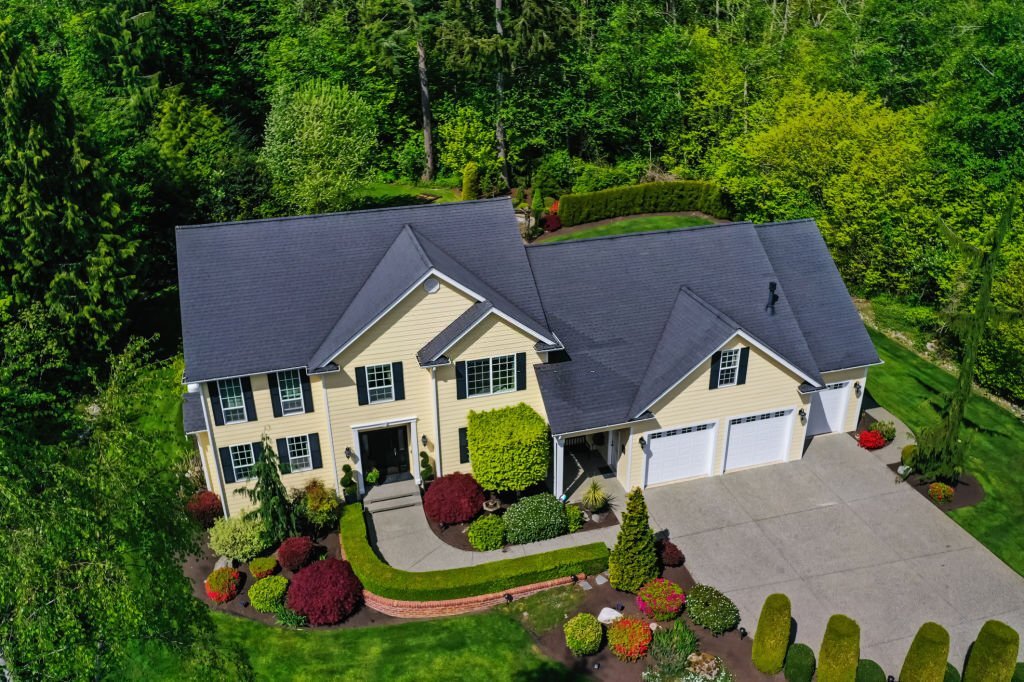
(680, 453)
(758, 439)
(828, 409)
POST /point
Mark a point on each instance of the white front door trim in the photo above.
(374, 426)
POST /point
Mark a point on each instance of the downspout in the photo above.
(330, 437)
(437, 422)
(629, 463)
(214, 454)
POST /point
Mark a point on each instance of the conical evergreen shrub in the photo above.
(634, 560)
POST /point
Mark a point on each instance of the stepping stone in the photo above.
(600, 579)
(585, 586)
(608, 615)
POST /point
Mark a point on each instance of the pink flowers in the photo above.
(660, 599)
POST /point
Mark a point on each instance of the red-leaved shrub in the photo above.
(629, 638)
(325, 592)
(871, 440)
(660, 599)
(669, 553)
(554, 207)
(455, 498)
(552, 222)
(222, 585)
(294, 553)
(204, 508)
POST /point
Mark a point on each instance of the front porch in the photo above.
(580, 459)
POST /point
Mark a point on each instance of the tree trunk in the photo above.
(430, 164)
(499, 128)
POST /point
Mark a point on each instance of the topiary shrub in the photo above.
(583, 634)
(629, 638)
(840, 650)
(294, 553)
(204, 508)
(993, 656)
(869, 671)
(574, 517)
(510, 447)
(262, 567)
(772, 637)
(538, 517)
(470, 181)
(318, 506)
(660, 599)
(668, 553)
(670, 647)
(799, 664)
(711, 609)
(926, 659)
(633, 560)
(222, 585)
(267, 595)
(455, 498)
(325, 592)
(908, 454)
(487, 533)
(237, 538)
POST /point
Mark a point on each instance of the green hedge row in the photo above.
(497, 576)
(648, 197)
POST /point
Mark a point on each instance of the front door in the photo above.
(386, 450)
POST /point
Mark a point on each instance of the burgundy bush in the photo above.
(552, 223)
(669, 553)
(325, 592)
(204, 508)
(455, 498)
(294, 553)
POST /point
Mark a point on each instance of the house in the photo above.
(365, 338)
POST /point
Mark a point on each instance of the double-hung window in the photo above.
(232, 401)
(242, 461)
(491, 375)
(728, 369)
(299, 457)
(380, 383)
(289, 387)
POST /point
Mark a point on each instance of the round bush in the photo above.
(487, 533)
(772, 637)
(869, 671)
(711, 609)
(840, 650)
(629, 638)
(204, 508)
(262, 567)
(325, 592)
(871, 440)
(538, 517)
(318, 505)
(1018, 674)
(940, 492)
(237, 538)
(267, 595)
(994, 654)
(455, 498)
(660, 599)
(669, 553)
(908, 454)
(222, 585)
(294, 553)
(583, 634)
(953, 675)
(574, 517)
(799, 664)
(926, 659)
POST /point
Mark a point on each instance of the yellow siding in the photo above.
(853, 404)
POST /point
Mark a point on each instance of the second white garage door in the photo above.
(680, 453)
(758, 439)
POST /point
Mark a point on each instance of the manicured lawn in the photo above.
(546, 610)
(911, 388)
(636, 224)
(377, 194)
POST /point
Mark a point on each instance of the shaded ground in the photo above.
(642, 222)
(968, 491)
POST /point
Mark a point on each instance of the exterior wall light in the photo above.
(643, 443)
(350, 453)
(803, 415)
(423, 439)
(857, 388)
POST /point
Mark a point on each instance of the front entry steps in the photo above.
(390, 496)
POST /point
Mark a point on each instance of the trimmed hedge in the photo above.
(487, 533)
(926, 659)
(649, 197)
(772, 637)
(840, 650)
(267, 595)
(510, 447)
(471, 581)
(869, 671)
(993, 656)
(799, 663)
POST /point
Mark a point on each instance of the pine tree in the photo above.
(634, 560)
(273, 508)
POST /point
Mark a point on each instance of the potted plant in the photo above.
(373, 476)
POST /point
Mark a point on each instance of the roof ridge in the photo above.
(785, 222)
(673, 230)
(707, 306)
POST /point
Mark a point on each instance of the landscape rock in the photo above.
(608, 615)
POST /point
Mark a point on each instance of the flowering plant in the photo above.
(629, 638)
(940, 492)
(222, 585)
(870, 440)
(660, 599)
(554, 207)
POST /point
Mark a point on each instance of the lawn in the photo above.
(634, 224)
(382, 194)
(911, 388)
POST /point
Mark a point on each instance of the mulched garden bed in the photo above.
(969, 491)
(458, 535)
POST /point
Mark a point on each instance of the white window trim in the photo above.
(234, 467)
(391, 385)
(220, 399)
(280, 397)
(490, 376)
(733, 353)
(292, 469)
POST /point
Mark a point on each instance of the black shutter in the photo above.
(520, 371)
(307, 391)
(218, 414)
(361, 385)
(741, 376)
(716, 361)
(460, 380)
(250, 405)
(226, 468)
(314, 451)
(463, 446)
(257, 452)
(282, 454)
(399, 380)
(275, 394)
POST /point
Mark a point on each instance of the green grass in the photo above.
(546, 610)
(636, 224)
(912, 388)
(381, 194)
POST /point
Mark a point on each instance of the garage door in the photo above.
(680, 453)
(758, 439)
(828, 409)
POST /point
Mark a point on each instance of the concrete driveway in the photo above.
(837, 534)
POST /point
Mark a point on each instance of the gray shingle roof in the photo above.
(447, 336)
(192, 412)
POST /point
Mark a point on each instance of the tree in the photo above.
(509, 448)
(634, 559)
(273, 507)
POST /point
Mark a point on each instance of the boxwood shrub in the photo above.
(583, 634)
(926, 659)
(267, 595)
(261, 567)
(510, 447)
(840, 650)
(953, 675)
(799, 664)
(1018, 674)
(574, 517)
(495, 576)
(869, 671)
(487, 533)
(994, 654)
(772, 637)
(237, 538)
(538, 517)
(711, 609)
(649, 197)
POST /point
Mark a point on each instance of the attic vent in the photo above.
(772, 298)
(431, 285)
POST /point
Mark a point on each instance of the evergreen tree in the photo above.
(634, 559)
(273, 508)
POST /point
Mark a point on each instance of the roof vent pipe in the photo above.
(772, 298)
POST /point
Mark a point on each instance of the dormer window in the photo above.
(728, 369)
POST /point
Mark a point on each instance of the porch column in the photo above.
(358, 468)
(559, 466)
(414, 451)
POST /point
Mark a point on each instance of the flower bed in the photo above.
(629, 638)
(660, 599)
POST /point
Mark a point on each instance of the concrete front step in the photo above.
(390, 491)
(394, 503)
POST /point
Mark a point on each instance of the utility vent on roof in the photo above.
(772, 298)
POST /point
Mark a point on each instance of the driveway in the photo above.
(837, 534)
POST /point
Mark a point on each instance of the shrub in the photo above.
(325, 592)
(670, 647)
(870, 440)
(705, 667)
(799, 664)
(455, 498)
(510, 447)
(470, 181)
(994, 654)
(262, 567)
(538, 517)
(204, 508)
(908, 454)
(294, 553)
(552, 222)
(222, 585)
(887, 429)
(1018, 674)
(634, 560)
(629, 638)
(237, 538)
(660, 599)
(869, 671)
(594, 497)
(583, 634)
(953, 675)
(711, 609)
(772, 637)
(940, 492)
(927, 656)
(574, 517)
(267, 595)
(426, 467)
(287, 618)
(668, 553)
(318, 505)
(651, 197)
(487, 533)
(840, 650)
(348, 481)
